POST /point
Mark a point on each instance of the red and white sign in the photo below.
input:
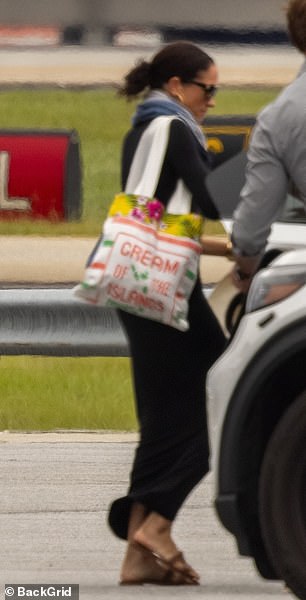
(40, 175)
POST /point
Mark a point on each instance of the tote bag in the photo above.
(146, 261)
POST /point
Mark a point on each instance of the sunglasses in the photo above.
(209, 90)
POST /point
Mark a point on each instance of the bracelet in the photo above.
(241, 275)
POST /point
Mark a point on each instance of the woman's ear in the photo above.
(174, 88)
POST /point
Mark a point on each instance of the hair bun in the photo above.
(137, 79)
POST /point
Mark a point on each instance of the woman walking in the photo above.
(169, 366)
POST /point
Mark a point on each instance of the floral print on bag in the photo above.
(152, 211)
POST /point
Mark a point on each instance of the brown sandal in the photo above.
(188, 577)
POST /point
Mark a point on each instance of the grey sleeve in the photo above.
(264, 192)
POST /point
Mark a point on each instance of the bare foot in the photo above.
(154, 534)
(140, 566)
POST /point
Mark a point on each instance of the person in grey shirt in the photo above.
(277, 154)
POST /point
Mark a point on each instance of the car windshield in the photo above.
(294, 209)
(225, 182)
(228, 139)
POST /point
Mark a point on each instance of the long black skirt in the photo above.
(169, 372)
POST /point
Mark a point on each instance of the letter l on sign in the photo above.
(7, 203)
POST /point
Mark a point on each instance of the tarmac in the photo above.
(55, 492)
(104, 65)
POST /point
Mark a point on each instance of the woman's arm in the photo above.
(191, 164)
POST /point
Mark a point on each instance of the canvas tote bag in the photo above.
(146, 261)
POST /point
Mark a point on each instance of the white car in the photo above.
(257, 418)
(256, 396)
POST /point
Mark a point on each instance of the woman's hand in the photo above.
(243, 271)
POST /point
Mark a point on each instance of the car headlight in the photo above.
(274, 284)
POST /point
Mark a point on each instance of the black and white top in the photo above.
(184, 159)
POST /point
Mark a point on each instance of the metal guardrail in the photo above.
(52, 322)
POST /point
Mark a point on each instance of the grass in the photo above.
(101, 119)
(43, 393)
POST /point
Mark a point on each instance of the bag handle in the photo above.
(147, 165)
